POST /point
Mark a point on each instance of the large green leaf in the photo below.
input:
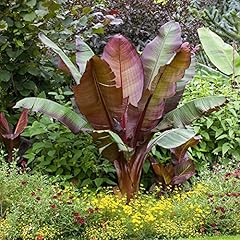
(126, 64)
(190, 111)
(160, 50)
(72, 68)
(221, 54)
(171, 138)
(97, 96)
(63, 114)
(83, 55)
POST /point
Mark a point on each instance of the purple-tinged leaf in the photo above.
(22, 122)
(160, 170)
(160, 51)
(165, 82)
(183, 171)
(4, 126)
(180, 152)
(126, 64)
(97, 97)
(172, 102)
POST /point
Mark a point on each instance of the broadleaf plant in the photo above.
(124, 94)
(12, 139)
(179, 170)
(221, 54)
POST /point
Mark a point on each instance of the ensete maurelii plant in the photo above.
(128, 101)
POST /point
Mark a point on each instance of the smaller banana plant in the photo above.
(179, 170)
(128, 101)
(12, 139)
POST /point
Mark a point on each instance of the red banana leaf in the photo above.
(126, 64)
(97, 97)
(165, 83)
(11, 139)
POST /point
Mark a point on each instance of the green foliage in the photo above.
(220, 131)
(57, 151)
(21, 73)
(222, 16)
(24, 71)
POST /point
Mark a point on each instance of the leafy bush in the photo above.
(220, 131)
(21, 73)
(24, 71)
(142, 20)
(57, 151)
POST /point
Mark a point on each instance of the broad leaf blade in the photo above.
(72, 68)
(162, 172)
(180, 152)
(172, 138)
(115, 138)
(107, 147)
(165, 82)
(22, 122)
(183, 171)
(83, 55)
(126, 64)
(190, 111)
(63, 114)
(159, 51)
(4, 126)
(97, 96)
(172, 102)
(221, 54)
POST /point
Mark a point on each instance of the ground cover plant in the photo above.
(126, 98)
(36, 207)
(56, 151)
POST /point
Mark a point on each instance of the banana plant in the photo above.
(12, 139)
(178, 171)
(128, 101)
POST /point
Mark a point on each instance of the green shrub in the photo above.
(23, 69)
(220, 131)
(57, 151)
(21, 73)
